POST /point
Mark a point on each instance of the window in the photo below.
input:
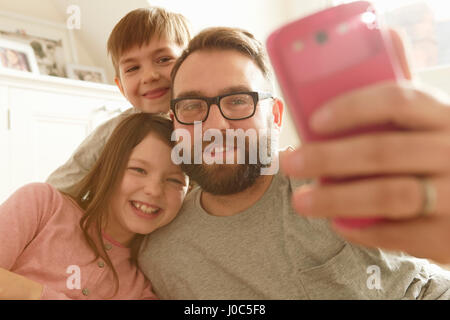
(426, 25)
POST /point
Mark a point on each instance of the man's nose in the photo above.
(215, 119)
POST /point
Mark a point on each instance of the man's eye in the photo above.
(192, 106)
(238, 101)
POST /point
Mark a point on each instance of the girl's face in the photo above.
(150, 194)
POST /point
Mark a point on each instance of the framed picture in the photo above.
(52, 43)
(86, 73)
(17, 56)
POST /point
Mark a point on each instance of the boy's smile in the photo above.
(156, 93)
(144, 74)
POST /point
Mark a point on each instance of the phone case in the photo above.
(326, 54)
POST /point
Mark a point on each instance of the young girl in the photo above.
(54, 246)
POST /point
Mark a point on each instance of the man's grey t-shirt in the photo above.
(270, 252)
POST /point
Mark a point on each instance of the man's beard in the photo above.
(226, 179)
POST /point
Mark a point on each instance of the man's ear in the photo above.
(171, 115)
(119, 85)
(277, 112)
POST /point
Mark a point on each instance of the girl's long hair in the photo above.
(93, 193)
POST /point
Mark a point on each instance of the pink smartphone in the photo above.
(328, 53)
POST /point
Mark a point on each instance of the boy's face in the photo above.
(144, 74)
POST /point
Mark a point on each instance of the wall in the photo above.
(46, 10)
(42, 9)
(98, 18)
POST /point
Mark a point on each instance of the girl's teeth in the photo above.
(144, 208)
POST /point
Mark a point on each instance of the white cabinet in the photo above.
(45, 119)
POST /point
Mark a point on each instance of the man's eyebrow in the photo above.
(196, 93)
(190, 94)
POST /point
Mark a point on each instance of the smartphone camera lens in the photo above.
(321, 37)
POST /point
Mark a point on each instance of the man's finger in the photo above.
(384, 153)
(387, 103)
(395, 198)
(423, 237)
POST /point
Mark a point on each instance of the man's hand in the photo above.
(394, 161)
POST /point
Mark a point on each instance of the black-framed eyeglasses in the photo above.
(232, 106)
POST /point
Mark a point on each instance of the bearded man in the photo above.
(238, 235)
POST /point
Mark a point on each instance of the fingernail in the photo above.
(321, 119)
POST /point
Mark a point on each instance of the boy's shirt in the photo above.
(85, 156)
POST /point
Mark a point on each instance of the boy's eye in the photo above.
(165, 59)
(131, 69)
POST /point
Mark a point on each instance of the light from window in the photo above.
(425, 23)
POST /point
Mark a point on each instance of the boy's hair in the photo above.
(225, 38)
(139, 26)
(94, 192)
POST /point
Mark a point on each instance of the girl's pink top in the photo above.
(41, 239)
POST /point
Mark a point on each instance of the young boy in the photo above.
(143, 47)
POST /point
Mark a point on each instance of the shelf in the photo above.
(50, 83)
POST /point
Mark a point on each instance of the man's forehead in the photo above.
(214, 72)
(221, 91)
